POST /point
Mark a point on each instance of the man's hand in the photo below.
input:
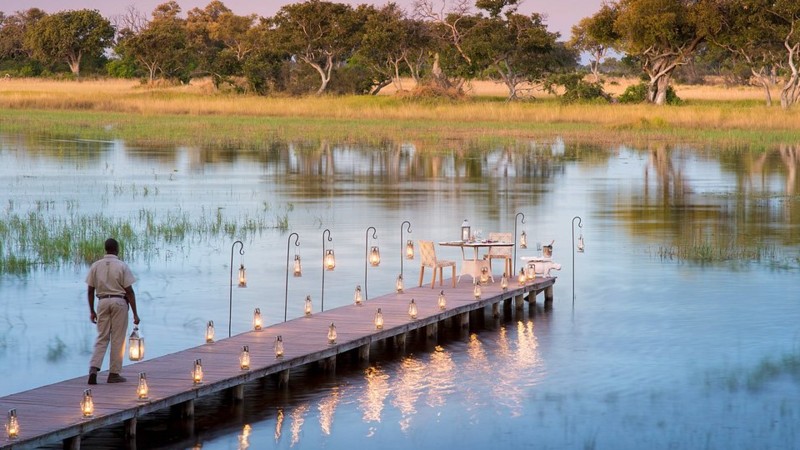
(136, 319)
(93, 317)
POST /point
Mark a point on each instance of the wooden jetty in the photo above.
(51, 414)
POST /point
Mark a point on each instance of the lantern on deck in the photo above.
(521, 277)
(210, 332)
(476, 291)
(87, 404)
(410, 249)
(484, 275)
(242, 276)
(412, 309)
(142, 391)
(307, 306)
(197, 372)
(298, 268)
(244, 358)
(465, 231)
(442, 301)
(379, 320)
(374, 256)
(12, 424)
(258, 322)
(330, 260)
(332, 334)
(135, 345)
(398, 285)
(504, 282)
(530, 272)
(278, 346)
(523, 240)
(580, 243)
(358, 299)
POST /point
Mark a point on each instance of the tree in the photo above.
(70, 36)
(448, 28)
(662, 34)
(318, 33)
(12, 33)
(161, 46)
(596, 36)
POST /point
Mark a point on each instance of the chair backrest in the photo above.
(501, 237)
(427, 253)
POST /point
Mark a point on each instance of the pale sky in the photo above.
(561, 15)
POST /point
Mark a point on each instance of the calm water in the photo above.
(655, 352)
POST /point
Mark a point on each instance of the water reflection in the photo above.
(375, 392)
(410, 381)
(327, 408)
(244, 437)
(298, 416)
(441, 377)
(278, 425)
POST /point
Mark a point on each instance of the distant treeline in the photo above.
(325, 47)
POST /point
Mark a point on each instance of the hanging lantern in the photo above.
(379, 320)
(522, 277)
(523, 240)
(332, 334)
(242, 276)
(476, 291)
(258, 322)
(244, 358)
(412, 309)
(307, 307)
(410, 249)
(530, 273)
(330, 260)
(465, 231)
(197, 372)
(504, 282)
(358, 299)
(580, 243)
(374, 256)
(135, 345)
(210, 332)
(278, 346)
(12, 424)
(142, 391)
(442, 301)
(484, 275)
(298, 268)
(87, 404)
(398, 285)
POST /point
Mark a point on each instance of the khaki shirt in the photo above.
(110, 276)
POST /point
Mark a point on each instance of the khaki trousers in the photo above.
(112, 326)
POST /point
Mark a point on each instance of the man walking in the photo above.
(111, 280)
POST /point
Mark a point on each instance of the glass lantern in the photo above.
(530, 273)
(278, 346)
(465, 231)
(410, 249)
(142, 390)
(197, 372)
(298, 268)
(379, 320)
(522, 278)
(484, 275)
(330, 260)
(442, 301)
(258, 322)
(87, 404)
(358, 299)
(332, 334)
(476, 291)
(210, 332)
(307, 306)
(398, 285)
(580, 244)
(135, 345)
(244, 358)
(12, 424)
(374, 256)
(523, 240)
(242, 276)
(504, 282)
(412, 309)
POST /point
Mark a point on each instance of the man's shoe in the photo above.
(115, 378)
(93, 378)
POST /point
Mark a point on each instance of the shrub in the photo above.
(637, 93)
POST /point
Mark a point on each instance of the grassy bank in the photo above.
(198, 116)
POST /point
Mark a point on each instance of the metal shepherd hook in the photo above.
(286, 293)
(230, 293)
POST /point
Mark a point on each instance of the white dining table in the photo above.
(474, 266)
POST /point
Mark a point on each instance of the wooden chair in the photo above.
(504, 253)
(428, 259)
